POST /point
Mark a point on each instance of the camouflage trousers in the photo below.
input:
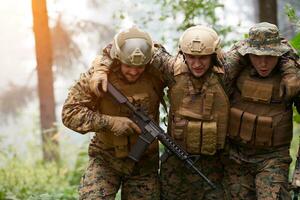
(179, 182)
(100, 181)
(255, 174)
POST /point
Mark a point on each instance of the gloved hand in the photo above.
(122, 126)
(289, 86)
(99, 78)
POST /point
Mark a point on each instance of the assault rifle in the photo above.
(150, 132)
(296, 176)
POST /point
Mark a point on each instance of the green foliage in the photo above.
(41, 181)
(296, 116)
(187, 13)
(193, 12)
(291, 13)
(295, 42)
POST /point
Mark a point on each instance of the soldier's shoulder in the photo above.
(179, 66)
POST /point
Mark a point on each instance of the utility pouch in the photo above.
(179, 126)
(283, 128)
(247, 126)
(257, 92)
(121, 146)
(235, 122)
(193, 137)
(264, 131)
(209, 138)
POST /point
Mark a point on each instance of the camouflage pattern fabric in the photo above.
(78, 112)
(106, 173)
(257, 174)
(264, 40)
(100, 181)
(177, 182)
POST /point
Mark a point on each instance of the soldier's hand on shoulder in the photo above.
(290, 86)
(122, 126)
(98, 82)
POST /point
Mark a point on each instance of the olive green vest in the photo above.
(199, 111)
(259, 116)
(145, 93)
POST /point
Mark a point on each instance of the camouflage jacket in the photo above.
(79, 111)
(289, 63)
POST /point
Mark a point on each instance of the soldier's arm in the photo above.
(79, 110)
(290, 83)
(289, 62)
(162, 60)
(103, 63)
(101, 67)
(234, 62)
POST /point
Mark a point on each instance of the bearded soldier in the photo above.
(109, 167)
(261, 123)
(198, 113)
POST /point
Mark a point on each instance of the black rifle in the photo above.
(150, 132)
(296, 176)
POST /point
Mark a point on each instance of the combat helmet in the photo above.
(133, 47)
(199, 40)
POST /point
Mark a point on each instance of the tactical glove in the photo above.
(122, 126)
(290, 86)
(98, 79)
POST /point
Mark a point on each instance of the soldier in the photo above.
(261, 123)
(109, 168)
(198, 115)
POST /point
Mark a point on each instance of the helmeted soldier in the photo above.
(198, 116)
(261, 123)
(198, 113)
(109, 168)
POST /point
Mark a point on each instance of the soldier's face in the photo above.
(198, 65)
(132, 73)
(263, 64)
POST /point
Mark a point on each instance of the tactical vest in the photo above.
(144, 93)
(258, 116)
(199, 111)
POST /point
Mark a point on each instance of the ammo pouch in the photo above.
(117, 144)
(120, 146)
(197, 137)
(260, 131)
(257, 92)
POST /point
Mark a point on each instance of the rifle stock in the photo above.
(150, 132)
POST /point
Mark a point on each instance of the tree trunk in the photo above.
(268, 11)
(43, 51)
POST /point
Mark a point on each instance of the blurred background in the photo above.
(46, 44)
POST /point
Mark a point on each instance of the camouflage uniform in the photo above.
(235, 63)
(82, 112)
(260, 127)
(186, 101)
(194, 104)
(109, 167)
